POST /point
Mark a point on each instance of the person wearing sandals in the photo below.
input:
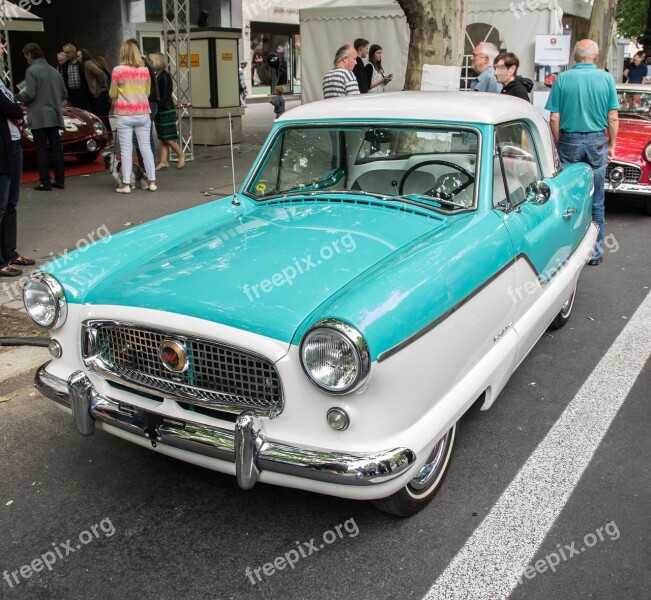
(11, 167)
(166, 117)
(130, 85)
(376, 77)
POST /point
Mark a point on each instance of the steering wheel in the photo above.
(433, 192)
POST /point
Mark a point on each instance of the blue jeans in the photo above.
(9, 195)
(591, 148)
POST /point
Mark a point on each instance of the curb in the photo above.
(21, 360)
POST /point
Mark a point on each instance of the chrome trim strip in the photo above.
(522, 256)
(256, 453)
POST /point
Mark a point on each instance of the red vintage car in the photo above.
(630, 171)
(83, 137)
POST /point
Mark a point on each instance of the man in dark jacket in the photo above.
(361, 47)
(74, 78)
(43, 94)
(506, 72)
(11, 166)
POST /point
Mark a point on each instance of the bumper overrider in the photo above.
(247, 445)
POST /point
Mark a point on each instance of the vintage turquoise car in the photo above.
(388, 261)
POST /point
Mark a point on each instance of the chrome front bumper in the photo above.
(246, 445)
(628, 188)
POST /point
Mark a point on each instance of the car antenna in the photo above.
(235, 201)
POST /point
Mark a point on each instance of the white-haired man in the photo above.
(341, 81)
(483, 57)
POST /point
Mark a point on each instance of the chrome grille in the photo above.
(217, 375)
(632, 173)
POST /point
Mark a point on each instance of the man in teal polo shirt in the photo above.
(583, 104)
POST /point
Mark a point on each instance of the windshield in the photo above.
(432, 165)
(635, 103)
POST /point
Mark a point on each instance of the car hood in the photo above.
(263, 270)
(634, 134)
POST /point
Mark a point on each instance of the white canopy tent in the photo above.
(18, 19)
(328, 26)
(13, 18)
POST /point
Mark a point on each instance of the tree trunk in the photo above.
(437, 34)
(601, 27)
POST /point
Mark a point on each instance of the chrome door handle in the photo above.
(569, 212)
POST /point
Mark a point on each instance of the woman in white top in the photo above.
(376, 77)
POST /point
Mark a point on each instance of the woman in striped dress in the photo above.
(130, 85)
(166, 117)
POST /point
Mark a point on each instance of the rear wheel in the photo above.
(564, 315)
(421, 489)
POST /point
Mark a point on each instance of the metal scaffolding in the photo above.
(176, 28)
(5, 62)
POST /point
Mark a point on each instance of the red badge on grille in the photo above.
(173, 356)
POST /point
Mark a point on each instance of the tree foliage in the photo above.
(631, 18)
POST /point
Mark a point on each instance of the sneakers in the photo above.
(123, 190)
(152, 186)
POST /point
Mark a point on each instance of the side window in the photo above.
(516, 164)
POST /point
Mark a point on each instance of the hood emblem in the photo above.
(173, 356)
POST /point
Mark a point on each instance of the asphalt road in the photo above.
(99, 518)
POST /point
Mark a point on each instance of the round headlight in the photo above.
(98, 126)
(647, 152)
(335, 356)
(45, 300)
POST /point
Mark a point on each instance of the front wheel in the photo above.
(564, 315)
(421, 489)
(647, 207)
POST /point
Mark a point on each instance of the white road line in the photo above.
(492, 559)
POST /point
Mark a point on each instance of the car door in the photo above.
(541, 231)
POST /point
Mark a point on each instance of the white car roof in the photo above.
(460, 107)
(470, 107)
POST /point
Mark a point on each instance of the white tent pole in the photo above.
(5, 55)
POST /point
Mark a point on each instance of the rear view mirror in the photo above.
(378, 136)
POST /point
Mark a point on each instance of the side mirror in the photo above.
(538, 192)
